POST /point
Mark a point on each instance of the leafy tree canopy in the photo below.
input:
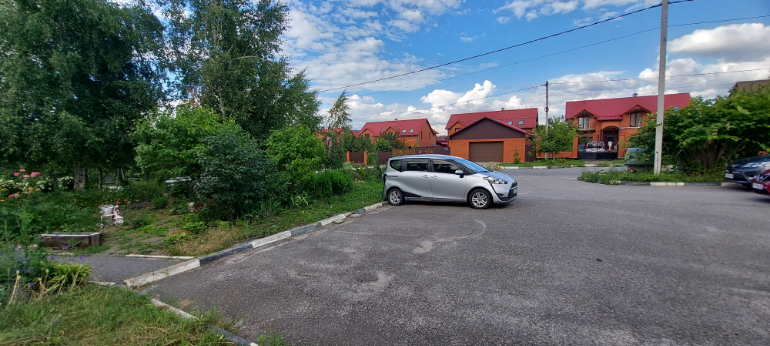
(704, 136)
(226, 54)
(558, 136)
(74, 76)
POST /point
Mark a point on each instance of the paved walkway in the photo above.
(117, 268)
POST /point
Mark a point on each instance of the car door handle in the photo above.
(435, 177)
(425, 176)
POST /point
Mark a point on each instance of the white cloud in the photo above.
(468, 39)
(582, 21)
(736, 42)
(606, 15)
(503, 19)
(597, 3)
(532, 9)
(307, 29)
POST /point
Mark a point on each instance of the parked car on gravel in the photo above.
(761, 183)
(445, 178)
(745, 170)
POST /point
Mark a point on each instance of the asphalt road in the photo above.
(568, 263)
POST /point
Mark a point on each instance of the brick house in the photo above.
(490, 140)
(525, 119)
(414, 132)
(614, 120)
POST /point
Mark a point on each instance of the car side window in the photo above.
(417, 165)
(395, 164)
(445, 167)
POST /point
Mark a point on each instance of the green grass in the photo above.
(223, 236)
(541, 162)
(95, 315)
(613, 176)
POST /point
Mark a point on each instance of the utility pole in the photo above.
(661, 87)
(546, 112)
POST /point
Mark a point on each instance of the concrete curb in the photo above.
(148, 278)
(227, 335)
(557, 167)
(670, 184)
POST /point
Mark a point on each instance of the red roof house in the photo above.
(522, 118)
(414, 132)
(615, 120)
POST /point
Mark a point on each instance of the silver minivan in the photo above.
(445, 178)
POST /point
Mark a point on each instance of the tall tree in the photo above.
(337, 124)
(74, 76)
(227, 55)
(559, 135)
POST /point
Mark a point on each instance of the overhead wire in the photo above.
(557, 53)
(500, 49)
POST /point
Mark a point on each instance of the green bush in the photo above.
(237, 175)
(174, 239)
(139, 191)
(298, 152)
(49, 212)
(160, 202)
(195, 227)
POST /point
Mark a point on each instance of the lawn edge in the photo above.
(160, 274)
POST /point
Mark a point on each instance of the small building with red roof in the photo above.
(490, 140)
(521, 118)
(414, 132)
(615, 120)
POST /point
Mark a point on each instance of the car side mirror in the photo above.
(460, 172)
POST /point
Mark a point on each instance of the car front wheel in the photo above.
(480, 199)
(395, 197)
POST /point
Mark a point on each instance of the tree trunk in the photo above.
(101, 178)
(80, 177)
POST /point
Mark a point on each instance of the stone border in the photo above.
(669, 184)
(557, 167)
(148, 278)
(227, 335)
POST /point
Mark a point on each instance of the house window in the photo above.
(367, 136)
(636, 119)
(458, 129)
(510, 122)
(583, 122)
(411, 130)
(521, 122)
(403, 131)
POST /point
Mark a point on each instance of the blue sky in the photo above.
(346, 42)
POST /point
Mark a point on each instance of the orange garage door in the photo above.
(486, 151)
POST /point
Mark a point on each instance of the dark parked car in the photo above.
(761, 184)
(637, 159)
(744, 171)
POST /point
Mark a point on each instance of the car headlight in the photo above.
(493, 180)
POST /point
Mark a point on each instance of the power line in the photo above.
(537, 86)
(560, 52)
(501, 49)
(653, 78)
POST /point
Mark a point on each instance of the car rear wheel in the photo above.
(480, 199)
(395, 196)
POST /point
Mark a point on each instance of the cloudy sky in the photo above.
(345, 42)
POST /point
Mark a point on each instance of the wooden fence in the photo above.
(422, 150)
(361, 158)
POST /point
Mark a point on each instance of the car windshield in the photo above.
(472, 166)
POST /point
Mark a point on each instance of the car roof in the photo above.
(425, 156)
